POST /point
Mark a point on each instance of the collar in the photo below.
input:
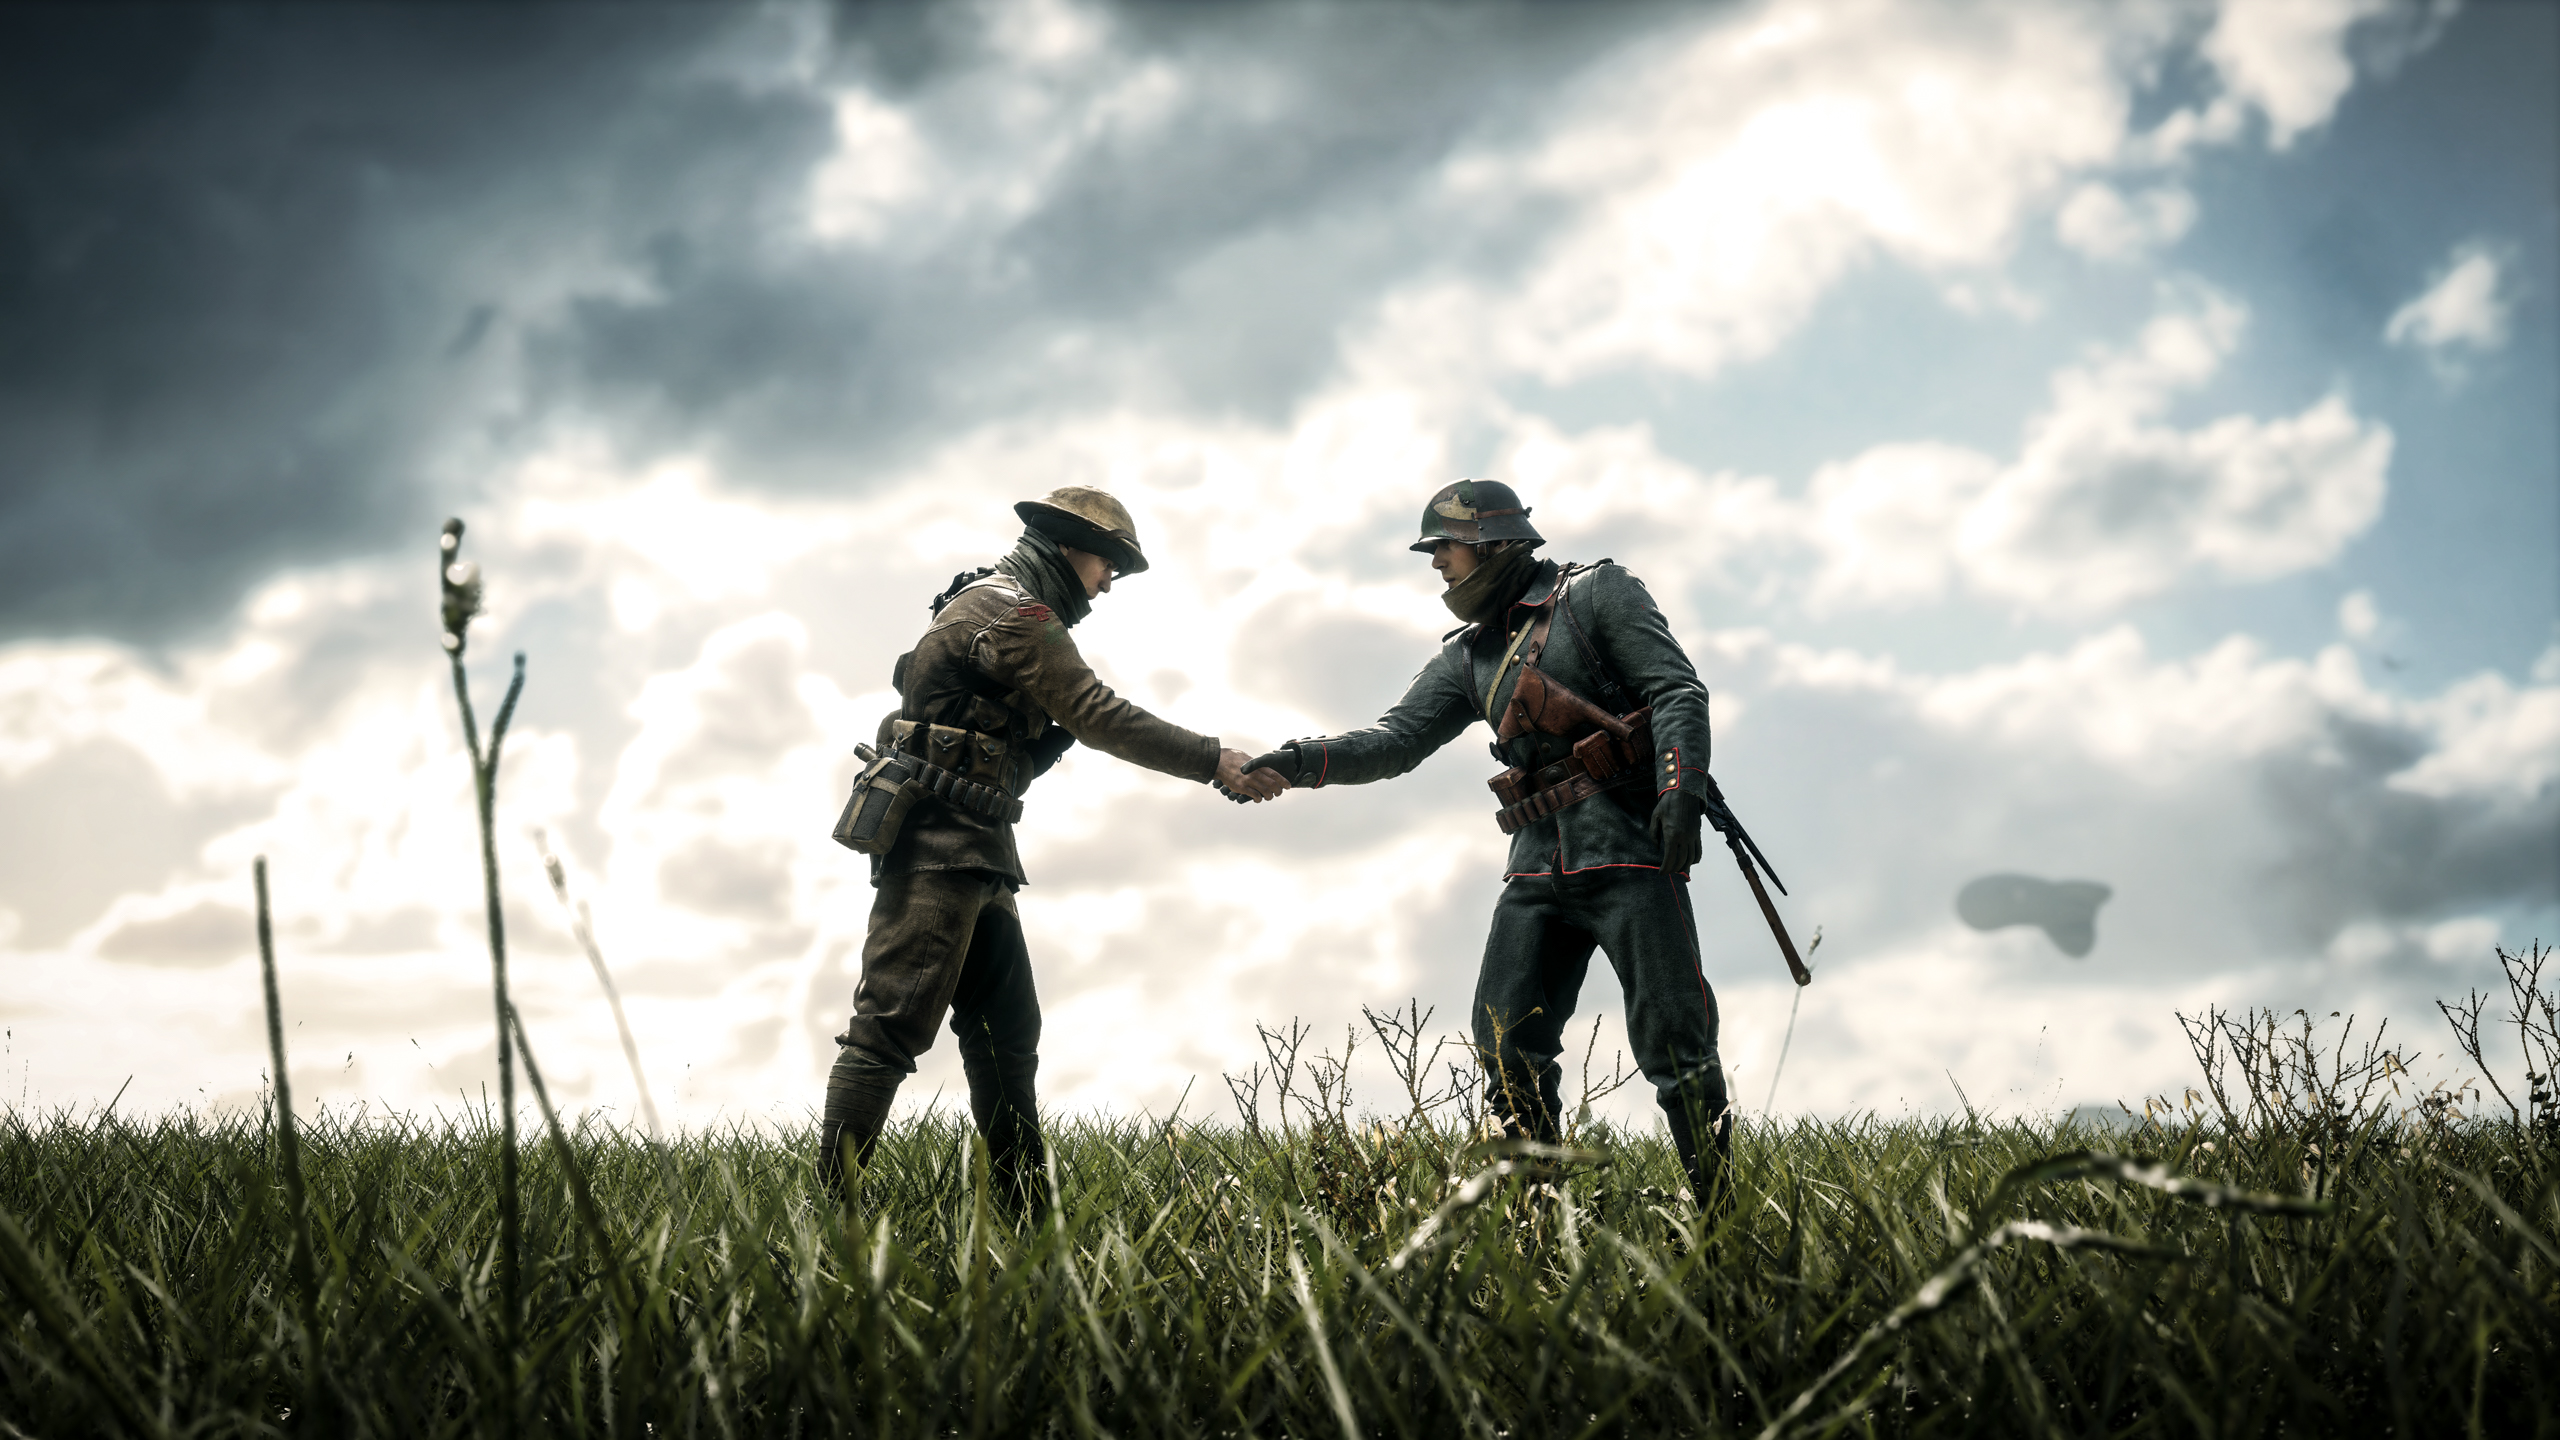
(1543, 588)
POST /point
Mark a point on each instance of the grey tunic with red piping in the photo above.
(1627, 641)
(1586, 878)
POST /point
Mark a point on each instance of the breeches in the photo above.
(947, 942)
(1544, 930)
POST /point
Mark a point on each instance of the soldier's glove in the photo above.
(1284, 762)
(1676, 829)
(1053, 742)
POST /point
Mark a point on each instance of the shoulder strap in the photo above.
(1536, 628)
(1610, 689)
(959, 582)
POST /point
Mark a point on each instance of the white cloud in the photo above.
(2104, 503)
(2101, 222)
(2495, 740)
(2288, 57)
(1721, 184)
(692, 806)
(2358, 617)
(703, 662)
(2466, 307)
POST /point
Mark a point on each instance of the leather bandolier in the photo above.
(1610, 755)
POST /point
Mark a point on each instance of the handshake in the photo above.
(1250, 780)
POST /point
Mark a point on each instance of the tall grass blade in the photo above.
(306, 1283)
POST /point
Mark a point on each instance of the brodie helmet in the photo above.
(1474, 511)
(1088, 520)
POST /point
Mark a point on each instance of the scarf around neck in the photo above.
(1499, 579)
(1039, 566)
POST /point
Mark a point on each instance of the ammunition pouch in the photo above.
(925, 762)
(1601, 763)
(986, 760)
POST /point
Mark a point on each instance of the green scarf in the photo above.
(1039, 566)
(1499, 579)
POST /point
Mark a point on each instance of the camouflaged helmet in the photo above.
(1474, 511)
(1088, 520)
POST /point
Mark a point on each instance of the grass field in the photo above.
(2303, 1244)
(2312, 1252)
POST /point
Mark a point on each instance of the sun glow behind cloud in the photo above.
(704, 654)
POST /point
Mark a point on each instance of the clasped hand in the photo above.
(1239, 781)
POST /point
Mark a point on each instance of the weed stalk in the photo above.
(306, 1285)
(460, 581)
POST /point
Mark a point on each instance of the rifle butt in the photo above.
(1769, 912)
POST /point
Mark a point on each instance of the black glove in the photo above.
(1045, 751)
(1676, 829)
(1283, 762)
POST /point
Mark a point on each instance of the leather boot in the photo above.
(1706, 1165)
(1018, 1167)
(859, 1091)
(1004, 1101)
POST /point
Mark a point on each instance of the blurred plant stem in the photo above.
(460, 583)
(306, 1286)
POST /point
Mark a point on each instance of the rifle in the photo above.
(1720, 815)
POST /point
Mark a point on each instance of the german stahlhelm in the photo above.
(1473, 512)
(1087, 520)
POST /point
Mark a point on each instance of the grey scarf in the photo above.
(1039, 566)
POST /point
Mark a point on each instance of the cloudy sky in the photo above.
(2105, 443)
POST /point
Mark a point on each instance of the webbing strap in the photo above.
(1539, 625)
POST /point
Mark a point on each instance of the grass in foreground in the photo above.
(1872, 1278)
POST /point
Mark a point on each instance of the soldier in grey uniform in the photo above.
(1602, 722)
(993, 693)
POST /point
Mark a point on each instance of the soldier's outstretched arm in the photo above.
(1435, 708)
(1031, 651)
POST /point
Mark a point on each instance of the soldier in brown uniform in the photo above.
(992, 694)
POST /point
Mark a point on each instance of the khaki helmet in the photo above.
(1474, 511)
(1089, 520)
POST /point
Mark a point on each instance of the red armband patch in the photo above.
(1034, 611)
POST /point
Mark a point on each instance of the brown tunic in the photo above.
(991, 639)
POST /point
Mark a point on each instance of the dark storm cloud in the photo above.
(1202, 260)
(2360, 849)
(237, 276)
(281, 284)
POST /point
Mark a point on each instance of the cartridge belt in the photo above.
(969, 795)
(1601, 762)
(944, 749)
(1562, 784)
